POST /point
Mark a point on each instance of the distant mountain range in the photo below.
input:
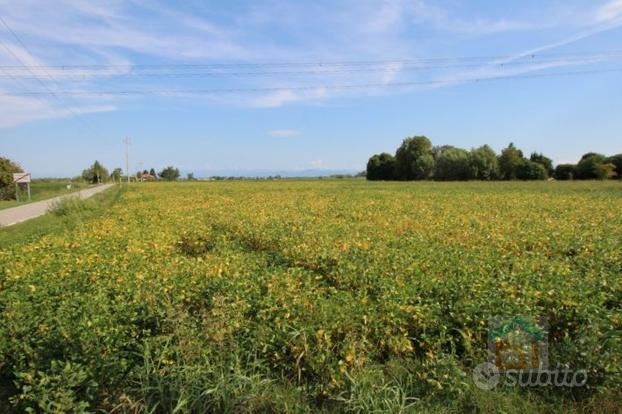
(271, 173)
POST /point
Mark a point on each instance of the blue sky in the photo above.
(279, 126)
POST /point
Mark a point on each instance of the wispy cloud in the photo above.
(442, 19)
(18, 110)
(130, 32)
(607, 17)
(609, 12)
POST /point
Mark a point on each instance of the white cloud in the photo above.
(316, 163)
(431, 15)
(18, 110)
(117, 32)
(611, 11)
(284, 133)
(163, 32)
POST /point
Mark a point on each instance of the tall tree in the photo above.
(153, 172)
(116, 174)
(381, 167)
(414, 159)
(510, 160)
(452, 164)
(547, 163)
(483, 164)
(169, 174)
(96, 173)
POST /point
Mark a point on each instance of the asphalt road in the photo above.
(15, 215)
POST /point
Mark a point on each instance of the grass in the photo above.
(64, 216)
(42, 190)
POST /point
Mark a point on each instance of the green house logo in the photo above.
(518, 343)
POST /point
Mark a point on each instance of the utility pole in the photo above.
(127, 142)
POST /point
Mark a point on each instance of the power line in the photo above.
(175, 92)
(39, 80)
(413, 61)
(313, 71)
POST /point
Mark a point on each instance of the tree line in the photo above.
(418, 159)
(97, 173)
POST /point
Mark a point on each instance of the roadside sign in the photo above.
(21, 177)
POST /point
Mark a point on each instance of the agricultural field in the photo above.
(312, 296)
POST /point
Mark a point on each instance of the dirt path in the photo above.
(15, 215)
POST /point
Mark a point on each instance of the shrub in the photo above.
(7, 188)
(71, 206)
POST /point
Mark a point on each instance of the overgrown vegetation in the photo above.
(73, 206)
(67, 216)
(312, 296)
(7, 188)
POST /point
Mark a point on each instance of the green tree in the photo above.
(605, 171)
(547, 163)
(381, 167)
(169, 174)
(7, 169)
(483, 164)
(452, 164)
(153, 172)
(565, 172)
(616, 161)
(95, 174)
(116, 174)
(530, 170)
(593, 166)
(510, 160)
(414, 159)
(437, 150)
(190, 176)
